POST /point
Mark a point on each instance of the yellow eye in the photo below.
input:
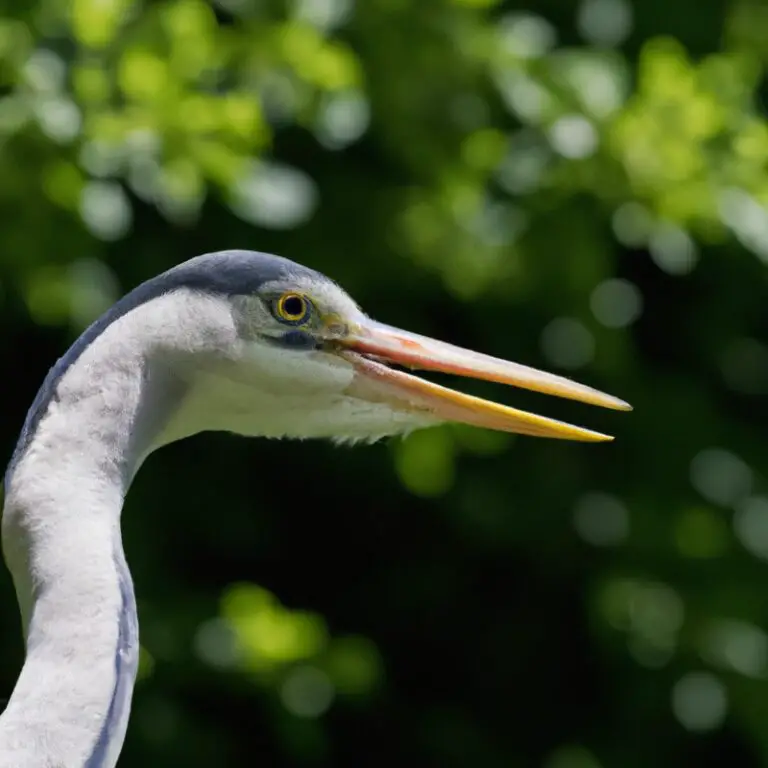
(292, 308)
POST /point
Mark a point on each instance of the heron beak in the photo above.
(371, 347)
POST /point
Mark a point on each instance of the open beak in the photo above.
(371, 346)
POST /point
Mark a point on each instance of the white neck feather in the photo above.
(62, 543)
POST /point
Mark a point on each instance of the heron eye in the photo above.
(292, 308)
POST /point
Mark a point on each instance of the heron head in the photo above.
(311, 363)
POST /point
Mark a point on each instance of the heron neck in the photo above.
(62, 543)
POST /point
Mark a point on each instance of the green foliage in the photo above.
(580, 186)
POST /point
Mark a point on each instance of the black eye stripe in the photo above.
(295, 340)
(299, 340)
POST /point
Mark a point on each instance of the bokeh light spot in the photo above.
(650, 613)
(105, 209)
(748, 219)
(673, 250)
(700, 701)
(750, 523)
(601, 519)
(93, 289)
(633, 224)
(275, 196)
(605, 22)
(354, 665)
(343, 119)
(307, 692)
(738, 646)
(59, 117)
(526, 36)
(216, 644)
(616, 303)
(720, 476)
(574, 137)
(425, 462)
(326, 15)
(567, 343)
(701, 533)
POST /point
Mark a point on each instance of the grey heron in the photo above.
(235, 341)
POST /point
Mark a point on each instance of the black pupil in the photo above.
(293, 306)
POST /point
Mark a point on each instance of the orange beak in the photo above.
(371, 346)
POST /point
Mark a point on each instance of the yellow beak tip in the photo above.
(620, 405)
(598, 437)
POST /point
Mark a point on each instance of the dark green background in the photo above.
(458, 598)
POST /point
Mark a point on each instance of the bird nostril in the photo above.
(337, 330)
